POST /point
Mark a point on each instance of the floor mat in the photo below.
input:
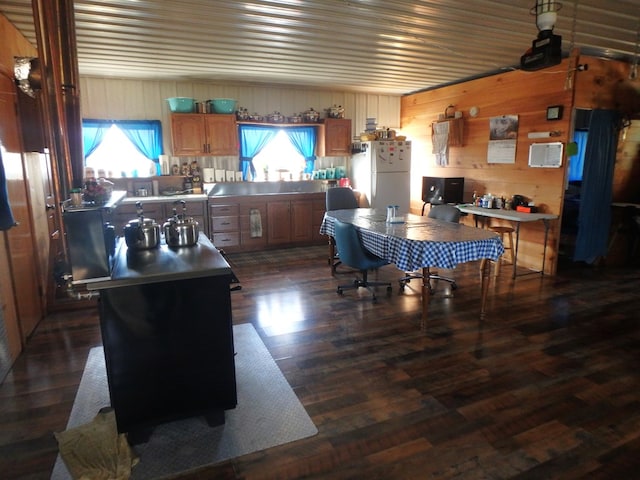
(268, 414)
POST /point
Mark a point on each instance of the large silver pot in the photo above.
(142, 233)
(181, 230)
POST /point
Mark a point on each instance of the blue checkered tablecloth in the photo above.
(418, 241)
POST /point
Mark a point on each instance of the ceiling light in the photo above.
(545, 12)
(546, 16)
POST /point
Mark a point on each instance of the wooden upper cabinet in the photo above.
(334, 137)
(197, 134)
(222, 134)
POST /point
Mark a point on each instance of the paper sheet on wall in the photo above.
(501, 151)
(440, 139)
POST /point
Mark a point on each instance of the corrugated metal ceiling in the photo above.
(390, 46)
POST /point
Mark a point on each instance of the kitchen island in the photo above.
(165, 318)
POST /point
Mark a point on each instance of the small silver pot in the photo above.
(142, 234)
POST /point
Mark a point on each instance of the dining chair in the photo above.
(338, 198)
(353, 254)
(448, 213)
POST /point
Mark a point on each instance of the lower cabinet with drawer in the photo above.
(224, 225)
(255, 222)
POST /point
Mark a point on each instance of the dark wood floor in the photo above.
(548, 386)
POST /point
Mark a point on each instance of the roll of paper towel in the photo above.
(165, 167)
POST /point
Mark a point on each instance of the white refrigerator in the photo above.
(381, 173)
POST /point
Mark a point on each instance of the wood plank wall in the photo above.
(13, 45)
(526, 94)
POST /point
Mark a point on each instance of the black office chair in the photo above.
(448, 213)
(338, 198)
(354, 255)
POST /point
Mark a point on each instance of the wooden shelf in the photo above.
(283, 125)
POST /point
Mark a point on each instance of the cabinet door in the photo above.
(188, 135)
(127, 211)
(279, 222)
(253, 226)
(301, 221)
(337, 137)
(222, 134)
(319, 206)
(194, 209)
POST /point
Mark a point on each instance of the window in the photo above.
(285, 151)
(116, 156)
(122, 148)
(576, 162)
(280, 159)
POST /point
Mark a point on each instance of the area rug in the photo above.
(268, 414)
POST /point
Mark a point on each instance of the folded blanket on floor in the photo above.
(96, 450)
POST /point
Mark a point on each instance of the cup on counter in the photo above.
(322, 174)
(76, 197)
(330, 173)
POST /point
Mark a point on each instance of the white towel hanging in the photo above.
(255, 222)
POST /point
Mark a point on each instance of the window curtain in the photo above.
(93, 132)
(146, 135)
(304, 140)
(576, 162)
(594, 218)
(253, 138)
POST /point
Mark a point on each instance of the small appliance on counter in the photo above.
(439, 190)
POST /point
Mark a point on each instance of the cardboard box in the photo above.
(526, 209)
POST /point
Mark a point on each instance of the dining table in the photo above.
(516, 218)
(417, 243)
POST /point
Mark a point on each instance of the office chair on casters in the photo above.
(338, 198)
(448, 213)
(354, 255)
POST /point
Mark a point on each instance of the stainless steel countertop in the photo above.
(266, 188)
(190, 197)
(164, 264)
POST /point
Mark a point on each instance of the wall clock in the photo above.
(554, 112)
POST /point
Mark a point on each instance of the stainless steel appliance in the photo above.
(381, 172)
(91, 240)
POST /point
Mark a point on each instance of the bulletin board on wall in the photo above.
(546, 155)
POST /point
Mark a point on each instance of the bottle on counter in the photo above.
(390, 213)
